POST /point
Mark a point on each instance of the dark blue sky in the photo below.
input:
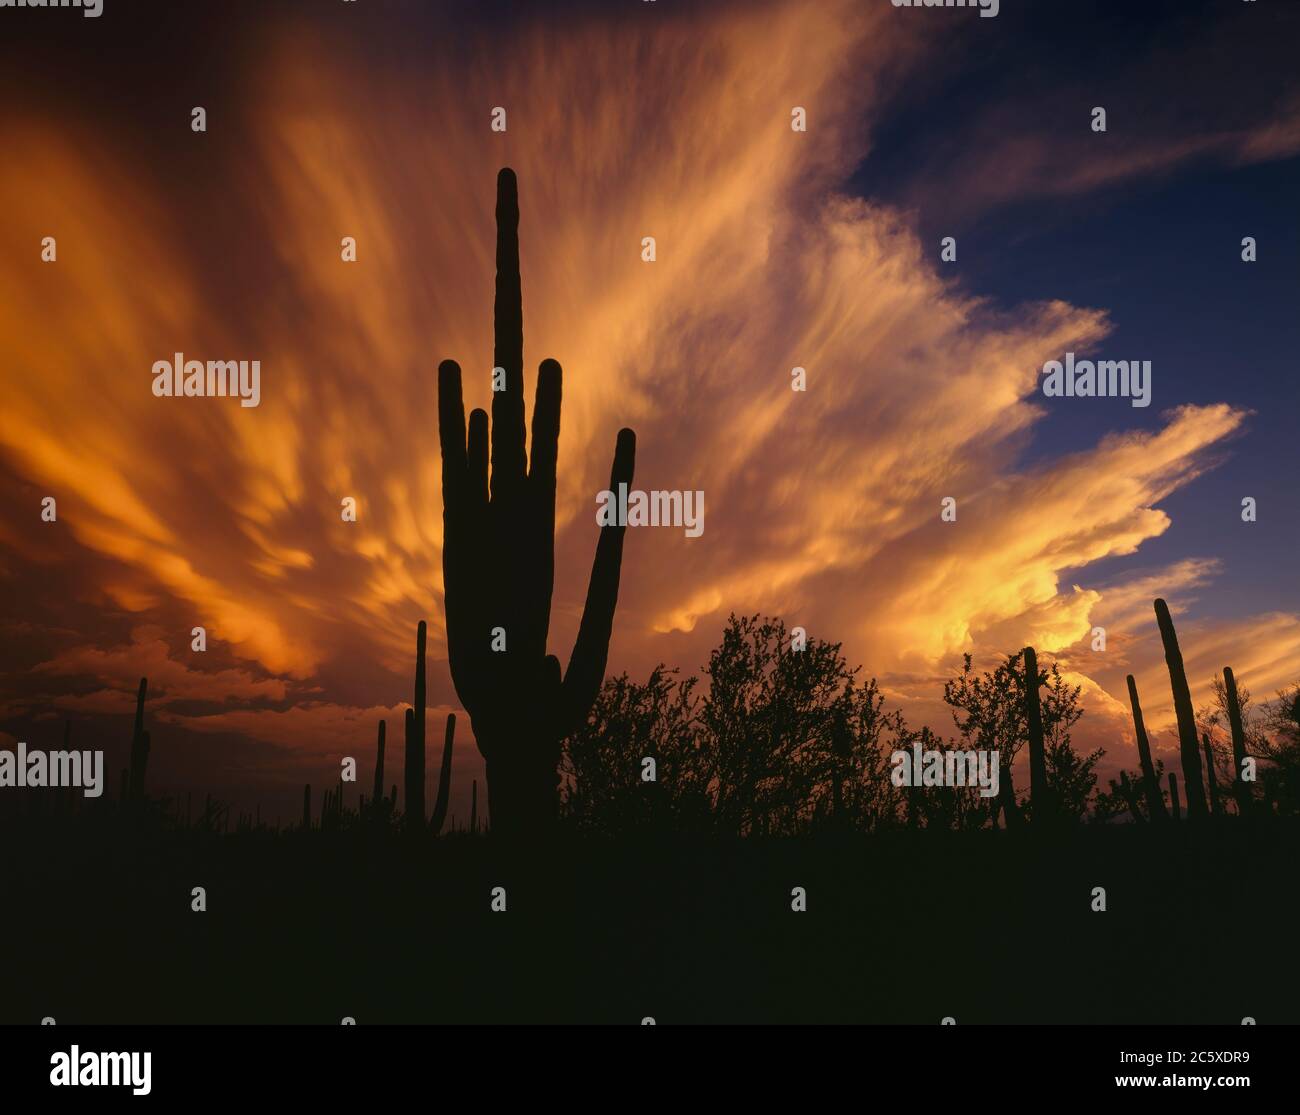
(1160, 251)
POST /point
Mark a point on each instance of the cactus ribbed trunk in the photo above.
(1040, 794)
(1150, 784)
(1188, 746)
(139, 745)
(444, 779)
(1240, 788)
(378, 794)
(415, 740)
(1173, 797)
(1209, 774)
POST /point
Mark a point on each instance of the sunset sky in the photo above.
(775, 248)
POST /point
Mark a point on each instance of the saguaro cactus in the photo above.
(1150, 785)
(1131, 797)
(139, 745)
(444, 778)
(415, 766)
(378, 795)
(1040, 793)
(473, 806)
(499, 564)
(415, 739)
(1188, 747)
(1209, 774)
(1173, 797)
(1240, 788)
(306, 807)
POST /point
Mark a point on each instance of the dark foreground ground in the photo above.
(1200, 926)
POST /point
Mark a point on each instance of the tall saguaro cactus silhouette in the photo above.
(1188, 744)
(1150, 784)
(498, 561)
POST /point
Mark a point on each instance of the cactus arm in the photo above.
(509, 463)
(591, 650)
(540, 563)
(459, 557)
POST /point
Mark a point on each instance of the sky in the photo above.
(774, 249)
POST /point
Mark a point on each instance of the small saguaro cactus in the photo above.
(139, 745)
(1209, 774)
(415, 739)
(1240, 788)
(414, 813)
(378, 794)
(498, 562)
(1173, 797)
(1040, 794)
(306, 807)
(1150, 784)
(1187, 743)
(415, 753)
(1129, 792)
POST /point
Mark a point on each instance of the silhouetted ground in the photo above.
(985, 927)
